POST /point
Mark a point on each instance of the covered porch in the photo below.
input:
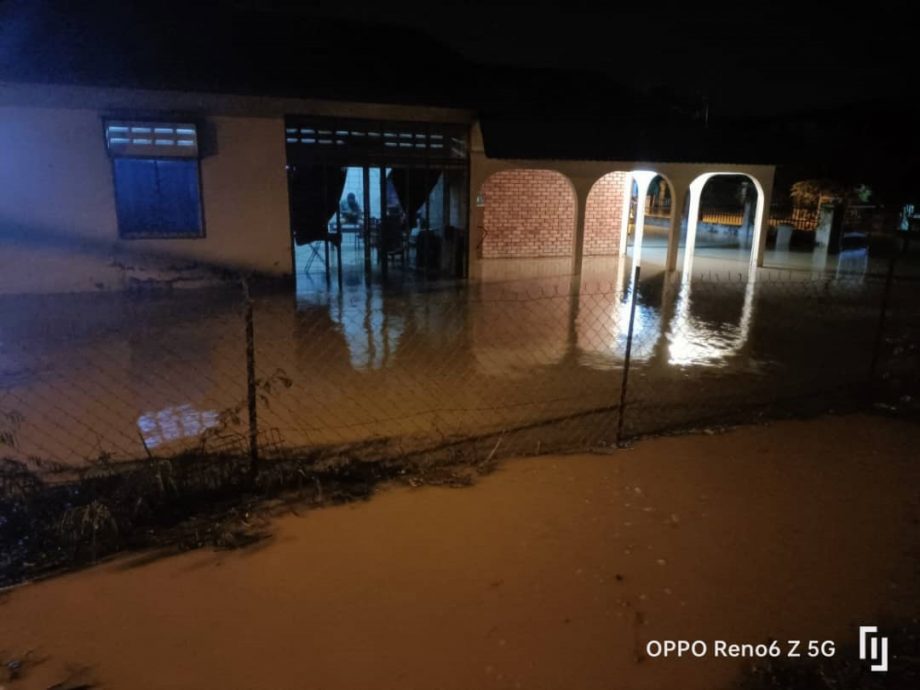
(535, 218)
(531, 218)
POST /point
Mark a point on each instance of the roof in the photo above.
(524, 112)
(237, 50)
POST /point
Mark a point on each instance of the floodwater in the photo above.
(553, 572)
(118, 376)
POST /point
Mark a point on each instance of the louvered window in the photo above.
(157, 185)
(156, 139)
(358, 141)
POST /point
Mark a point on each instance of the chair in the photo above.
(314, 254)
(333, 238)
(427, 251)
(392, 239)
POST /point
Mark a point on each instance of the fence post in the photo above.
(629, 337)
(251, 382)
(883, 313)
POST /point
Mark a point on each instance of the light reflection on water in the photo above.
(174, 423)
(510, 338)
(372, 337)
(102, 372)
(670, 328)
(695, 342)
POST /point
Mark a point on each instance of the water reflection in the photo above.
(707, 330)
(514, 336)
(603, 320)
(370, 323)
(373, 362)
(693, 341)
(173, 424)
(509, 335)
(853, 261)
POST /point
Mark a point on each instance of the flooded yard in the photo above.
(538, 362)
(553, 572)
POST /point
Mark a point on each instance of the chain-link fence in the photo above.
(464, 372)
(135, 420)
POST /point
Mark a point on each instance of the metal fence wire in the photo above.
(462, 372)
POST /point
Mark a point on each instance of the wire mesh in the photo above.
(470, 371)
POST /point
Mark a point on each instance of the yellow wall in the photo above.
(58, 228)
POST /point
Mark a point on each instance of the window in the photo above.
(157, 189)
(357, 141)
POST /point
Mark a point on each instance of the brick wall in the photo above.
(528, 213)
(603, 215)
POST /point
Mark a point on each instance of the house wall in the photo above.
(528, 213)
(58, 227)
(531, 213)
(603, 214)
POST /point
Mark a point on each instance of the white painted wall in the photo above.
(58, 228)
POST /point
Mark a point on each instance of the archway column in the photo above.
(680, 188)
(693, 220)
(476, 220)
(761, 222)
(582, 187)
(624, 219)
(643, 179)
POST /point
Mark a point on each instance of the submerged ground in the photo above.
(553, 572)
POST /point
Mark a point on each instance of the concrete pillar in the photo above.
(761, 221)
(480, 170)
(693, 219)
(476, 220)
(643, 180)
(624, 220)
(679, 190)
(581, 187)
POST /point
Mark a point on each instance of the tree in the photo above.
(814, 192)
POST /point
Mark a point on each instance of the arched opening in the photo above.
(725, 231)
(527, 215)
(603, 219)
(652, 238)
(603, 211)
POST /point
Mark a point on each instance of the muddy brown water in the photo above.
(553, 572)
(125, 376)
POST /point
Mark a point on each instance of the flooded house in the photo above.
(249, 157)
(450, 249)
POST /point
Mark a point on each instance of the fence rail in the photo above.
(799, 218)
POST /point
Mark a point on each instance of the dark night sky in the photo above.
(776, 77)
(745, 57)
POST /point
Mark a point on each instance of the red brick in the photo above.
(528, 213)
(603, 215)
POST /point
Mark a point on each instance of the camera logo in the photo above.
(877, 652)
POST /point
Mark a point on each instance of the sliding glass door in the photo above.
(376, 201)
